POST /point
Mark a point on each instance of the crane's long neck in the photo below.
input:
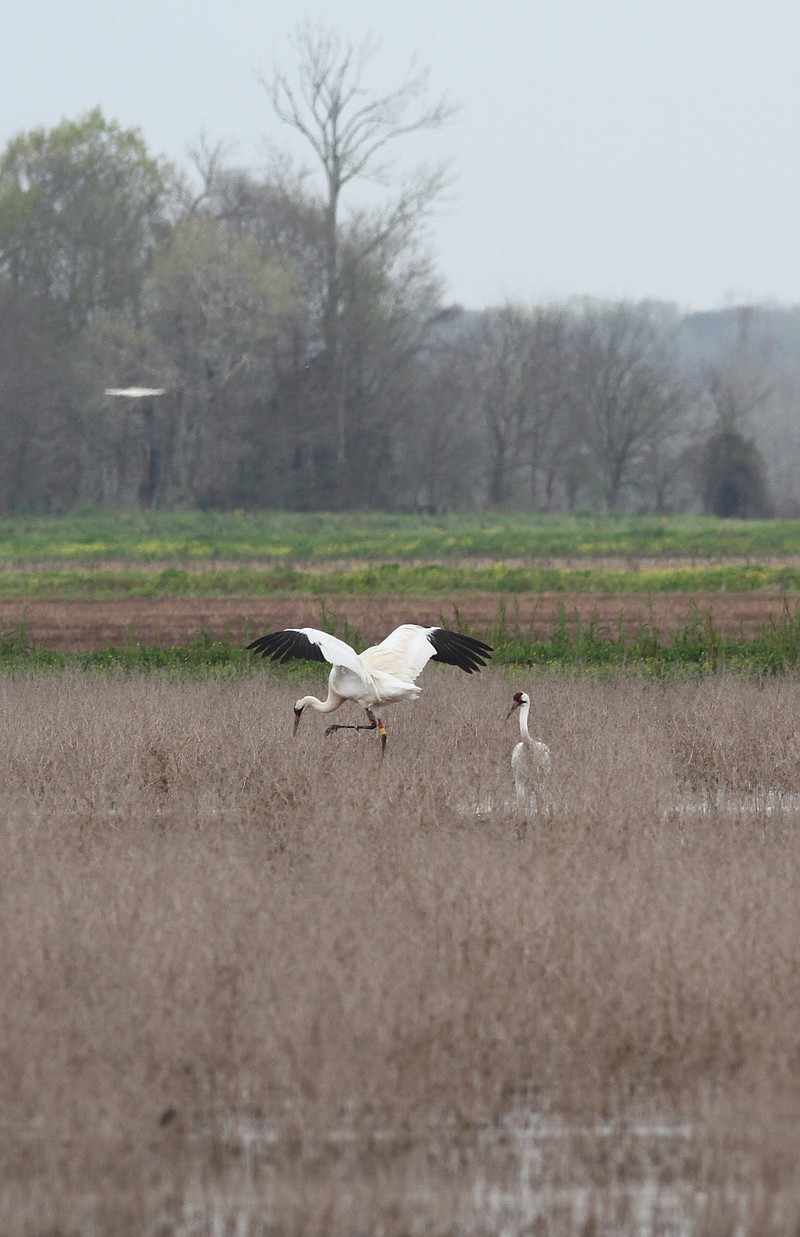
(322, 706)
(524, 710)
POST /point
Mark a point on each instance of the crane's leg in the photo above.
(374, 723)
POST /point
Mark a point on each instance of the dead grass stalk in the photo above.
(276, 985)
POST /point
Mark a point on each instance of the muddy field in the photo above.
(81, 625)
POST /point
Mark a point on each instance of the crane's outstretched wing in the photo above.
(307, 644)
(408, 649)
(455, 649)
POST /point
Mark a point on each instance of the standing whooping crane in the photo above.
(530, 759)
(381, 675)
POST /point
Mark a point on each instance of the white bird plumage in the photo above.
(383, 674)
(530, 760)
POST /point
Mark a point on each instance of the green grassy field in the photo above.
(431, 580)
(275, 538)
(243, 554)
(209, 554)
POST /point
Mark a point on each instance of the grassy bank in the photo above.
(284, 538)
(434, 579)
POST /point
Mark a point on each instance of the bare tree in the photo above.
(440, 455)
(628, 395)
(39, 459)
(496, 356)
(739, 382)
(519, 361)
(547, 379)
(349, 132)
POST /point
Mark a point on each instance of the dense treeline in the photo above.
(309, 359)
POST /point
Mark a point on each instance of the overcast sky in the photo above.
(610, 148)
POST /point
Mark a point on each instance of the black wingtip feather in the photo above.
(455, 649)
(286, 646)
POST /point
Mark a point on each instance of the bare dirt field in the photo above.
(80, 625)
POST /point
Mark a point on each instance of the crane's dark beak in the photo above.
(514, 706)
(298, 713)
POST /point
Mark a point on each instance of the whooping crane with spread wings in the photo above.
(383, 674)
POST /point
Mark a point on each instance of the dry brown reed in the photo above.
(260, 985)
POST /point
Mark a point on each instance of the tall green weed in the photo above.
(693, 644)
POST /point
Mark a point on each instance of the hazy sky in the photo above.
(612, 148)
